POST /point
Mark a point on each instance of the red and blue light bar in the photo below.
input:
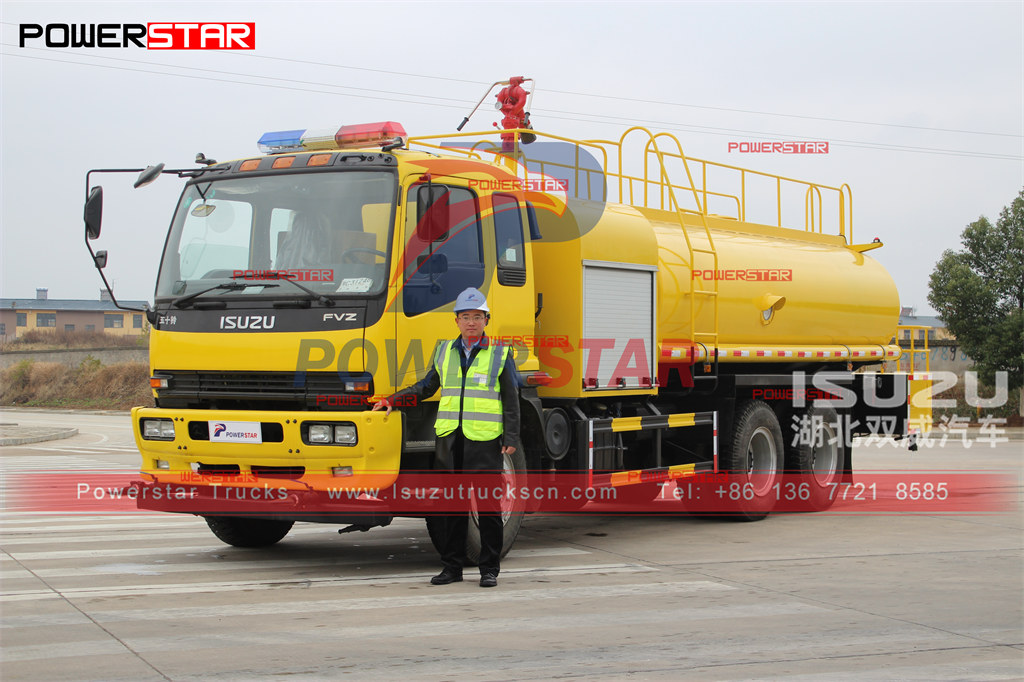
(346, 137)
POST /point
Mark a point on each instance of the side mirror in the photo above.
(93, 212)
(149, 175)
(432, 212)
(100, 259)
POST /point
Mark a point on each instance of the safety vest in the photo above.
(475, 398)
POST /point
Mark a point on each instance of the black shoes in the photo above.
(446, 577)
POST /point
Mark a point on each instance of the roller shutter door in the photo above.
(619, 324)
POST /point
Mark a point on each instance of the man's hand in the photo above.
(382, 404)
(506, 450)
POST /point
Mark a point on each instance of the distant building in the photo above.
(21, 315)
(944, 352)
(935, 328)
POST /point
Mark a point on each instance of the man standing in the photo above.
(477, 423)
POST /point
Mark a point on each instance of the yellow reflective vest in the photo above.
(473, 398)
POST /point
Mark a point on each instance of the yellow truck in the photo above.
(662, 331)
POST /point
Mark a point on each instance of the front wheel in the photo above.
(753, 460)
(245, 532)
(512, 512)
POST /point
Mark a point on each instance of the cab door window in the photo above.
(508, 239)
(437, 271)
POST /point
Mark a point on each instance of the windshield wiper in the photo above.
(319, 298)
(183, 301)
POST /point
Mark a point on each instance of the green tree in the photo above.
(979, 293)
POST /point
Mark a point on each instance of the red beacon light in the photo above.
(356, 136)
(369, 135)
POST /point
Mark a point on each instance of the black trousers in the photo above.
(454, 527)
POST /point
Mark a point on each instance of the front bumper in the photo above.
(285, 460)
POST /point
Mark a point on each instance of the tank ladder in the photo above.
(706, 338)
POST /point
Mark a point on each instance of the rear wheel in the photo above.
(512, 513)
(815, 460)
(753, 460)
(244, 532)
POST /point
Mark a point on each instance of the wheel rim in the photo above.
(508, 481)
(825, 457)
(762, 460)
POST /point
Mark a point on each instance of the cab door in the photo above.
(481, 242)
(510, 293)
(433, 269)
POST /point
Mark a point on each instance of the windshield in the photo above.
(330, 232)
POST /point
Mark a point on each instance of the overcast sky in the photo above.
(922, 105)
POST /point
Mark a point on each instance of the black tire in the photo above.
(753, 460)
(815, 460)
(512, 514)
(244, 532)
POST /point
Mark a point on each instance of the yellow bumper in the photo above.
(373, 461)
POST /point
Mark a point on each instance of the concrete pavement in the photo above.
(13, 434)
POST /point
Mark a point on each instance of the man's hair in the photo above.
(487, 316)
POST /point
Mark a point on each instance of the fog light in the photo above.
(163, 464)
(341, 471)
(345, 433)
(319, 433)
(158, 429)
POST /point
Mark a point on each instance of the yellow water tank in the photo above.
(776, 286)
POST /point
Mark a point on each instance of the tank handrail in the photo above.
(733, 197)
(517, 132)
(614, 151)
(587, 171)
(686, 166)
(842, 213)
(779, 180)
(741, 200)
(809, 209)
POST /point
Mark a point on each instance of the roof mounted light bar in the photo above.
(356, 136)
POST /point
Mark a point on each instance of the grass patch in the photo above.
(962, 410)
(38, 339)
(91, 385)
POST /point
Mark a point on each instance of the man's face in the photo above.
(471, 324)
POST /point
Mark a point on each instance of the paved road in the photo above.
(859, 597)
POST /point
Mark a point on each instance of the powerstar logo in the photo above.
(235, 432)
(155, 35)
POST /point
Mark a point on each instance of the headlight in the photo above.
(158, 429)
(320, 433)
(345, 433)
